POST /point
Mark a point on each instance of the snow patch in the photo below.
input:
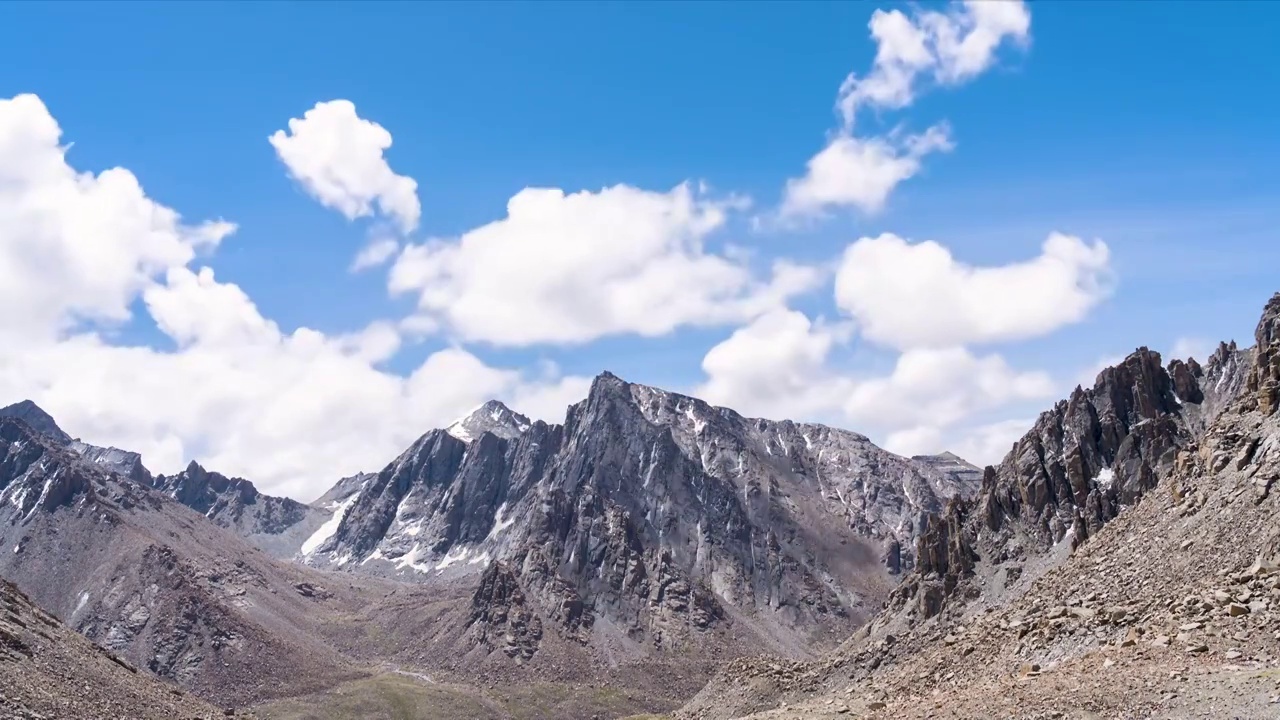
(500, 523)
(453, 557)
(84, 598)
(330, 526)
(410, 560)
(1105, 478)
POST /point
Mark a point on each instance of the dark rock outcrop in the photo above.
(1089, 457)
(39, 420)
(276, 524)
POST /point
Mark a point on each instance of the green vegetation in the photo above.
(402, 697)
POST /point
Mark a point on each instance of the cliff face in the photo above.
(648, 516)
(1086, 459)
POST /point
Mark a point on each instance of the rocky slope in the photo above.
(153, 581)
(1065, 590)
(275, 524)
(646, 520)
(51, 672)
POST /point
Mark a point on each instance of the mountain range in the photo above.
(612, 564)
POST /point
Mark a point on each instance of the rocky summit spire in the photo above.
(491, 417)
(1264, 378)
(39, 420)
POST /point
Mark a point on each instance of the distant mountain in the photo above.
(276, 524)
(646, 517)
(492, 417)
(153, 581)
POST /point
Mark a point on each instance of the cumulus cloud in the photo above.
(911, 295)
(941, 387)
(77, 247)
(292, 411)
(860, 172)
(984, 444)
(950, 47)
(776, 366)
(338, 158)
(779, 366)
(569, 268)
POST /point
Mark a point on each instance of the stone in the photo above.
(1236, 609)
(1160, 641)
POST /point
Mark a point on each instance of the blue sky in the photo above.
(1149, 126)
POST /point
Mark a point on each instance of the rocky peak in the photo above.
(1089, 457)
(491, 417)
(276, 524)
(1264, 377)
(39, 420)
(113, 459)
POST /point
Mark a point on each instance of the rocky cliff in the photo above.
(646, 517)
(278, 525)
(1082, 462)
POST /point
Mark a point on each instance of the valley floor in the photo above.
(409, 696)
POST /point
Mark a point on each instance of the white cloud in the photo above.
(941, 387)
(981, 445)
(76, 246)
(776, 367)
(779, 366)
(861, 170)
(292, 411)
(337, 157)
(907, 295)
(375, 253)
(950, 47)
(569, 268)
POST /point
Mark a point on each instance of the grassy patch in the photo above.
(400, 697)
(385, 697)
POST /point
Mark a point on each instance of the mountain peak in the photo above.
(491, 417)
(39, 420)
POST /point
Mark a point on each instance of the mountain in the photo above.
(277, 525)
(492, 417)
(50, 671)
(631, 547)
(39, 420)
(648, 520)
(1123, 560)
(157, 584)
(126, 463)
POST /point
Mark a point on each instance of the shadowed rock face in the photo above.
(648, 516)
(1087, 458)
(50, 671)
(275, 524)
(37, 419)
(149, 579)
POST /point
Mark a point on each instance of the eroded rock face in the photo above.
(1090, 456)
(651, 510)
(1264, 378)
